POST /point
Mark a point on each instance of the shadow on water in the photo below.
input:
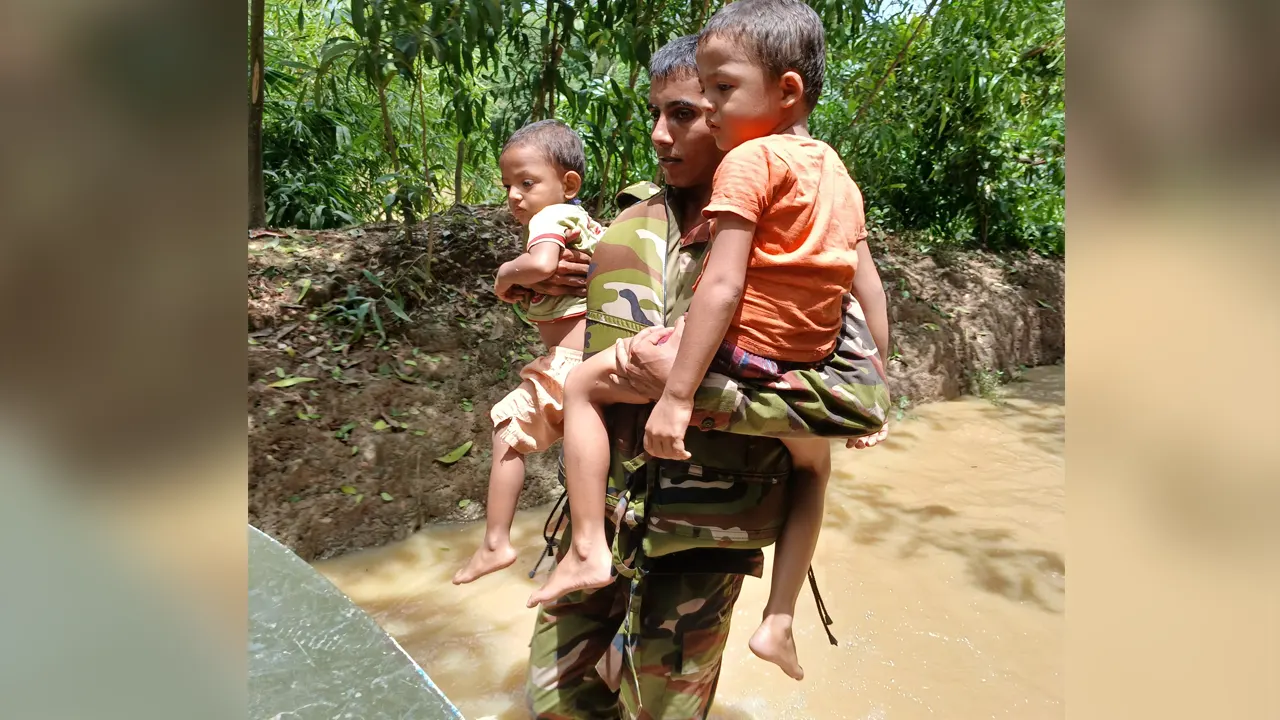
(870, 517)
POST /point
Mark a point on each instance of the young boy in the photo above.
(542, 167)
(787, 220)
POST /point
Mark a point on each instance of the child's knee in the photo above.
(589, 380)
(579, 383)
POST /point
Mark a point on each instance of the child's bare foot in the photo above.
(576, 571)
(772, 641)
(488, 558)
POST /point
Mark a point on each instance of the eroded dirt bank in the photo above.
(353, 414)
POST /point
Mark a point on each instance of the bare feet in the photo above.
(772, 641)
(490, 557)
(577, 570)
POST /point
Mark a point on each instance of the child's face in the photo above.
(743, 101)
(533, 182)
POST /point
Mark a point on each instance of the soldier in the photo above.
(683, 533)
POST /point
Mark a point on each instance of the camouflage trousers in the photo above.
(667, 668)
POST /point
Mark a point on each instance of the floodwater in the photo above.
(941, 561)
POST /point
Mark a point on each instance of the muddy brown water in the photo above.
(941, 560)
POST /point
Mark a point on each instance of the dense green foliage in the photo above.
(370, 104)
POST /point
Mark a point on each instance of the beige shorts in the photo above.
(531, 417)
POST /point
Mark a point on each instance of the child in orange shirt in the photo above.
(787, 221)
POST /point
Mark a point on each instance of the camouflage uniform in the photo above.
(683, 533)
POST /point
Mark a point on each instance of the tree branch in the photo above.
(892, 66)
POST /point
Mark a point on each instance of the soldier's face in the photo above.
(687, 151)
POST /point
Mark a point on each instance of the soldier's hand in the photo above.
(645, 361)
(869, 440)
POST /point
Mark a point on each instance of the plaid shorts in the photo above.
(734, 362)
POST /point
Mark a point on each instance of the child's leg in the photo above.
(811, 466)
(589, 562)
(506, 478)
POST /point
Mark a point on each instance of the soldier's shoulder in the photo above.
(653, 206)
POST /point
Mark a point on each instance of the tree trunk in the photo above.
(457, 172)
(257, 198)
(623, 180)
(540, 98)
(388, 134)
(702, 17)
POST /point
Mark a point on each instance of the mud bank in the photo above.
(353, 415)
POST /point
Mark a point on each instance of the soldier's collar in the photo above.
(698, 234)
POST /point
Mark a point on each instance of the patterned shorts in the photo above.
(739, 364)
(531, 417)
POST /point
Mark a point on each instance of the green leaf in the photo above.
(291, 381)
(381, 425)
(455, 454)
(335, 50)
(306, 285)
(521, 314)
(279, 372)
(372, 278)
(359, 498)
(302, 20)
(357, 16)
(467, 405)
(386, 497)
(377, 323)
(344, 431)
(354, 450)
(347, 490)
(463, 503)
(396, 309)
(420, 433)
(388, 201)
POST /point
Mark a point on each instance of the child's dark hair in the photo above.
(783, 34)
(556, 140)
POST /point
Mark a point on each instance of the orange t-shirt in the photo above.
(809, 220)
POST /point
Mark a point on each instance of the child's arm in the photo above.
(714, 303)
(533, 266)
(868, 290)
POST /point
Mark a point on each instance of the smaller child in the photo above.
(542, 167)
(788, 219)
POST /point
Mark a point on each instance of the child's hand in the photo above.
(868, 440)
(508, 292)
(664, 433)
